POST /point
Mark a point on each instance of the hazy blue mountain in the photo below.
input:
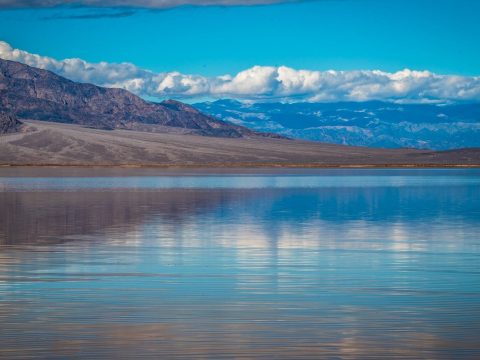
(373, 123)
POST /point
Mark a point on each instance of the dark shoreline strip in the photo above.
(247, 165)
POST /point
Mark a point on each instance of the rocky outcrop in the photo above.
(9, 123)
(32, 93)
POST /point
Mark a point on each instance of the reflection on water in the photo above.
(317, 264)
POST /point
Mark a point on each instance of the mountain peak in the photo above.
(179, 106)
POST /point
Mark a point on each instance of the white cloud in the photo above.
(150, 4)
(263, 82)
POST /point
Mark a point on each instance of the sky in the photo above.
(347, 49)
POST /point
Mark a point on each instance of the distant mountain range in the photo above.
(373, 123)
(31, 93)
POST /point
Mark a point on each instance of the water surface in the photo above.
(284, 264)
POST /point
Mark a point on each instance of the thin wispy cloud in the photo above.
(263, 82)
(91, 15)
(147, 4)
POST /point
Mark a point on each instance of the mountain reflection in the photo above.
(39, 217)
(283, 217)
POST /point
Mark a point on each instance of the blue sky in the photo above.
(440, 36)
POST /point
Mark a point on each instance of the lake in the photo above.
(284, 264)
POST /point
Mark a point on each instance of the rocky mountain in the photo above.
(373, 124)
(32, 93)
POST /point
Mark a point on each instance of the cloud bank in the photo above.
(263, 83)
(147, 4)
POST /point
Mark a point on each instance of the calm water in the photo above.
(124, 264)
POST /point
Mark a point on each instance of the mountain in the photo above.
(373, 123)
(32, 93)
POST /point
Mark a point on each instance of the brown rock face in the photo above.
(32, 93)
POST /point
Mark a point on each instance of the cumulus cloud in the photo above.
(148, 4)
(263, 83)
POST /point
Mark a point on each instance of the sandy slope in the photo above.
(60, 144)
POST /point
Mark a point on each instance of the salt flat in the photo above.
(47, 143)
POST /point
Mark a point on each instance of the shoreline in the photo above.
(247, 165)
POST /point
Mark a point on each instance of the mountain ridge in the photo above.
(33, 93)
